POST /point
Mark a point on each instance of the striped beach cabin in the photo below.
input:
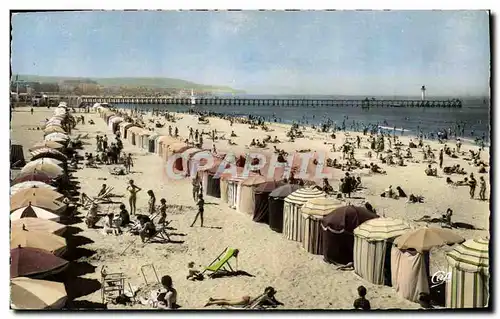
(468, 265)
(372, 248)
(311, 215)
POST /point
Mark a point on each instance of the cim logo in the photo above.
(439, 278)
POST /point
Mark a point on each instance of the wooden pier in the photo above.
(207, 101)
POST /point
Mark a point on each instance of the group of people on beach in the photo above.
(389, 150)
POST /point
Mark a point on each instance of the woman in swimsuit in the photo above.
(133, 189)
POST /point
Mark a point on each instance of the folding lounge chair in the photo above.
(221, 263)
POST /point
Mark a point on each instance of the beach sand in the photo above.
(303, 280)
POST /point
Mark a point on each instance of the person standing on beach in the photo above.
(191, 133)
(31, 111)
(459, 145)
(170, 130)
(128, 163)
(133, 189)
(441, 158)
(196, 188)
(482, 188)
(201, 209)
(163, 211)
(472, 185)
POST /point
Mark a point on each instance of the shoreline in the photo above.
(465, 138)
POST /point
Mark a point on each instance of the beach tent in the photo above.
(409, 274)
(108, 115)
(181, 162)
(175, 148)
(233, 187)
(123, 128)
(261, 206)
(187, 159)
(34, 294)
(372, 248)
(163, 143)
(247, 192)
(144, 139)
(338, 228)
(312, 213)
(276, 204)
(152, 142)
(210, 185)
(468, 265)
(133, 135)
(292, 226)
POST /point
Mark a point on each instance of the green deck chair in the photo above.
(222, 262)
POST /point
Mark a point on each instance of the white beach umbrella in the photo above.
(33, 211)
(29, 184)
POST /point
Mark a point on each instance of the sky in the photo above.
(307, 52)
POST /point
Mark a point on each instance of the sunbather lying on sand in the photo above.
(266, 299)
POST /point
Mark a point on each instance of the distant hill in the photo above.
(160, 83)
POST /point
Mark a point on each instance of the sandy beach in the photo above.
(302, 280)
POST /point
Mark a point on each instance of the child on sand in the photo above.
(193, 274)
